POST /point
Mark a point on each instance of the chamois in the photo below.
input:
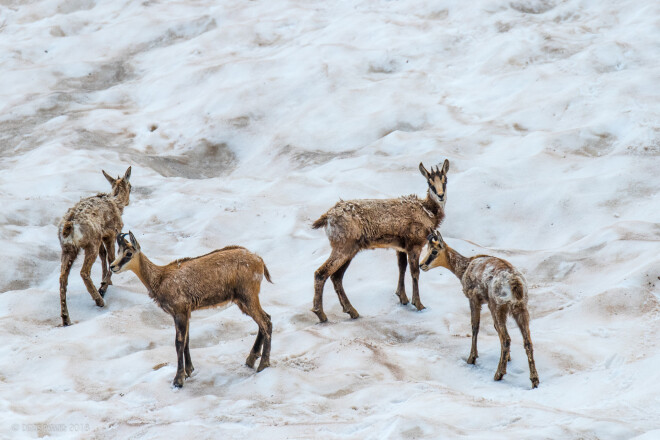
(493, 281)
(91, 225)
(231, 274)
(402, 224)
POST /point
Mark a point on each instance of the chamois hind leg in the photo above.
(337, 281)
(90, 256)
(521, 317)
(499, 319)
(251, 307)
(256, 350)
(402, 260)
(331, 265)
(180, 325)
(413, 260)
(475, 312)
(69, 254)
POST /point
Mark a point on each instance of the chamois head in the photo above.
(437, 180)
(436, 254)
(127, 250)
(121, 187)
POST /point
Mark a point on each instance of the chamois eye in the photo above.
(434, 252)
(129, 254)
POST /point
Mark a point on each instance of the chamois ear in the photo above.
(423, 170)
(127, 175)
(445, 166)
(108, 177)
(134, 242)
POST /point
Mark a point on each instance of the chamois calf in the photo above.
(231, 274)
(492, 281)
(402, 224)
(91, 225)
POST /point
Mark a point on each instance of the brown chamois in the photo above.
(231, 274)
(493, 281)
(402, 224)
(92, 225)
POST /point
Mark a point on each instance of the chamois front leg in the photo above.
(186, 350)
(103, 255)
(402, 260)
(337, 281)
(475, 312)
(180, 324)
(413, 259)
(108, 249)
(91, 252)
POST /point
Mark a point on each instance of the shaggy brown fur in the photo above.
(231, 274)
(402, 224)
(92, 225)
(492, 281)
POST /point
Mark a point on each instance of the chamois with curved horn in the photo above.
(492, 281)
(402, 224)
(91, 225)
(231, 274)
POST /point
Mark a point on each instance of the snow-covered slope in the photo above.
(244, 121)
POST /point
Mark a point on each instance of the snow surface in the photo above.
(244, 121)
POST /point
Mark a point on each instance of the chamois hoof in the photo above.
(353, 313)
(102, 289)
(498, 375)
(419, 306)
(189, 370)
(403, 299)
(100, 302)
(263, 364)
(65, 321)
(321, 315)
(535, 382)
(251, 359)
(178, 382)
(472, 360)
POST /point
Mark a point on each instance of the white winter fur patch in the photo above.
(498, 284)
(330, 230)
(74, 238)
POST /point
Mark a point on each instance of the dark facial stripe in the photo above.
(123, 261)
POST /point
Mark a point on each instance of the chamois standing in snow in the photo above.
(402, 224)
(91, 225)
(492, 281)
(231, 274)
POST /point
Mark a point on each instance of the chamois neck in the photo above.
(457, 263)
(120, 200)
(149, 273)
(431, 205)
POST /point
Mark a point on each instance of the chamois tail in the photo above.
(321, 222)
(267, 274)
(517, 288)
(67, 229)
